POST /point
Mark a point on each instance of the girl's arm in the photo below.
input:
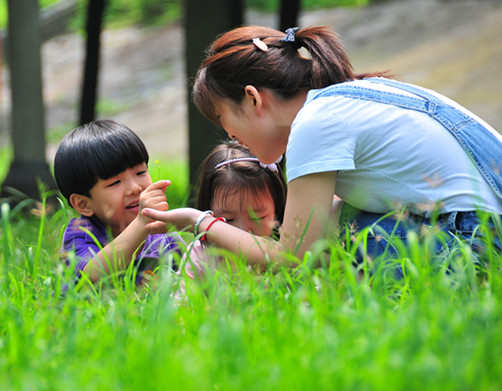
(310, 200)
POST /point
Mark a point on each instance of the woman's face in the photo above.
(244, 209)
(256, 131)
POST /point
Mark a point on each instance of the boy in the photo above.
(101, 169)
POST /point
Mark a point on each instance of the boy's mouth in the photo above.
(133, 206)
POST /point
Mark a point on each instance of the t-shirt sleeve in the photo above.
(80, 243)
(321, 139)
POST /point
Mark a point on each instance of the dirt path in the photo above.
(451, 46)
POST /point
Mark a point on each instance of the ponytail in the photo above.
(300, 60)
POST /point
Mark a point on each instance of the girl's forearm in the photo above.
(258, 250)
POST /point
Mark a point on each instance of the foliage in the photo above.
(3, 9)
(329, 327)
(121, 13)
(273, 5)
(5, 158)
(146, 12)
(177, 173)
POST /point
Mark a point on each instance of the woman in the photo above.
(376, 143)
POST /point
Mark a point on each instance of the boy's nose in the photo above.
(135, 187)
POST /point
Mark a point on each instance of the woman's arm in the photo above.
(309, 202)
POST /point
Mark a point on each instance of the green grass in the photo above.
(315, 327)
(5, 158)
(177, 173)
(330, 327)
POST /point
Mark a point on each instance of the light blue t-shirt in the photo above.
(385, 156)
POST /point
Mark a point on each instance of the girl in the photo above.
(376, 143)
(237, 188)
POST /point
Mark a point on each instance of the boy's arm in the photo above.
(117, 254)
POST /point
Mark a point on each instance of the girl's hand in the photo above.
(181, 218)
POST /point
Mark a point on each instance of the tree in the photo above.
(288, 14)
(29, 166)
(90, 81)
(203, 23)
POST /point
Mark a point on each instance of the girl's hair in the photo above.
(234, 61)
(97, 150)
(239, 176)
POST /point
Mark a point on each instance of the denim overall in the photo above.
(479, 143)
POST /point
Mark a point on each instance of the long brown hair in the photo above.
(234, 61)
(239, 176)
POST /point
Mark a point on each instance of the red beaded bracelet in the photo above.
(203, 238)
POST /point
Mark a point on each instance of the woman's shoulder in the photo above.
(329, 110)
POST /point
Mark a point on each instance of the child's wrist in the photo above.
(209, 225)
(140, 225)
(200, 218)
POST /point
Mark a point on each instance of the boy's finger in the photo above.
(162, 184)
(163, 205)
(155, 199)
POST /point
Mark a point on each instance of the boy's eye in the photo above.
(114, 183)
(142, 172)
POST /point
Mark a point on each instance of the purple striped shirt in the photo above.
(76, 238)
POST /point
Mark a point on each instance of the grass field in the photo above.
(329, 327)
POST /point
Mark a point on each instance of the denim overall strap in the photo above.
(479, 143)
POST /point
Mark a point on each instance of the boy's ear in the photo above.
(82, 204)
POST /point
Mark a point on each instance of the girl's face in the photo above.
(252, 212)
(257, 131)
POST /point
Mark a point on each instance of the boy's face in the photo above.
(115, 201)
(253, 213)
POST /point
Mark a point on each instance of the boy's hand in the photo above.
(154, 197)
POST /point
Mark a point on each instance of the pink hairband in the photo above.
(271, 167)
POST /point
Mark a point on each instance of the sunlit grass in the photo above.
(5, 158)
(335, 326)
(327, 324)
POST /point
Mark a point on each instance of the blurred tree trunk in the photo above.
(288, 14)
(28, 116)
(203, 22)
(90, 82)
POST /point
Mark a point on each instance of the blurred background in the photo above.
(452, 46)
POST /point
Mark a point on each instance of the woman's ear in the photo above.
(82, 204)
(253, 97)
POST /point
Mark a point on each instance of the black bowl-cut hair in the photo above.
(97, 150)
